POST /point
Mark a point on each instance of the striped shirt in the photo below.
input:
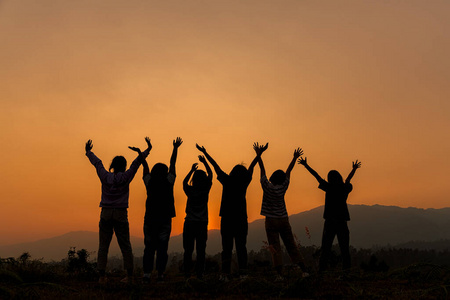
(273, 204)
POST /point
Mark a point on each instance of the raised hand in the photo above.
(149, 144)
(257, 148)
(302, 161)
(177, 142)
(200, 148)
(202, 159)
(136, 149)
(298, 152)
(356, 164)
(194, 167)
(88, 146)
(264, 148)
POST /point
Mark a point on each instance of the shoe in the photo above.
(102, 280)
(146, 278)
(160, 278)
(223, 278)
(127, 280)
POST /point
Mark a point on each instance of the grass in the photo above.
(33, 279)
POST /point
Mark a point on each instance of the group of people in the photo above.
(160, 209)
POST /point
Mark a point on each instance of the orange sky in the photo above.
(345, 80)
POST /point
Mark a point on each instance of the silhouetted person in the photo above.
(114, 204)
(274, 209)
(159, 211)
(335, 213)
(195, 229)
(233, 210)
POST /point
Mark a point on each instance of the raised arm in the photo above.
(144, 154)
(210, 159)
(188, 176)
(259, 149)
(355, 165)
(173, 159)
(88, 147)
(145, 167)
(144, 162)
(95, 161)
(202, 159)
(303, 162)
(297, 153)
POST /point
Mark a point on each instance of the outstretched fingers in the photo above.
(136, 149)
(356, 164)
(200, 148)
(177, 142)
(302, 161)
(257, 148)
(298, 152)
(88, 146)
(149, 144)
(264, 148)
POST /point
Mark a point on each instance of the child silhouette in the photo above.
(114, 204)
(274, 209)
(195, 230)
(335, 213)
(233, 212)
(159, 211)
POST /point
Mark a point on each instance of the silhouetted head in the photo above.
(278, 177)
(239, 172)
(159, 170)
(199, 178)
(334, 177)
(118, 164)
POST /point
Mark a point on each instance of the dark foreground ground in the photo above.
(377, 274)
(422, 281)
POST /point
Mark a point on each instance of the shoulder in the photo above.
(323, 185)
(348, 187)
(222, 176)
(171, 178)
(146, 178)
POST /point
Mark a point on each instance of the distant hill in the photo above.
(56, 248)
(370, 226)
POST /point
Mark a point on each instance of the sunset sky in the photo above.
(344, 80)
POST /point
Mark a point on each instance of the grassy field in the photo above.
(75, 278)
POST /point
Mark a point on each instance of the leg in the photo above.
(122, 230)
(188, 245)
(327, 242)
(240, 233)
(343, 236)
(289, 242)
(273, 238)
(202, 237)
(163, 245)
(106, 232)
(227, 245)
(150, 243)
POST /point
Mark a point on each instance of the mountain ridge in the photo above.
(370, 226)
